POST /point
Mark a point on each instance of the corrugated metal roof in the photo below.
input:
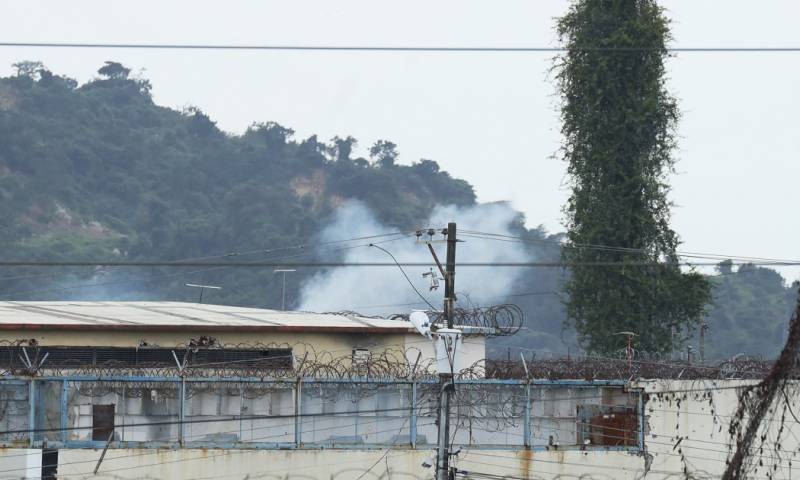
(167, 316)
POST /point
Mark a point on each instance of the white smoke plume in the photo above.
(382, 290)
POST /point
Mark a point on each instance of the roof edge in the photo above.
(204, 328)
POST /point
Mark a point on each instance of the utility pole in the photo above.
(449, 341)
(450, 275)
(284, 271)
(703, 329)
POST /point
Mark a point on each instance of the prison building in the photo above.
(163, 334)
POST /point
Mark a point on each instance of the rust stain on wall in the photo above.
(526, 458)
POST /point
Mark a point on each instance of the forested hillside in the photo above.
(99, 171)
(750, 311)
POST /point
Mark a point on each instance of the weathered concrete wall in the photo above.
(686, 436)
(473, 350)
(687, 430)
(336, 464)
(20, 463)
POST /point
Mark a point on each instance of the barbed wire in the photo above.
(303, 360)
(594, 367)
(495, 321)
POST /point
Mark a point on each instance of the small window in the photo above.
(102, 422)
(360, 355)
(607, 426)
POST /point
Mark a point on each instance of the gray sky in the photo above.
(489, 118)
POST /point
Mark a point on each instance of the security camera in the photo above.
(421, 322)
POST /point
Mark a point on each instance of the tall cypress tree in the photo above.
(618, 133)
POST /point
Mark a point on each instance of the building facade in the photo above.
(207, 337)
(159, 427)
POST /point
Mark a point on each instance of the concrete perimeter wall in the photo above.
(686, 436)
(329, 464)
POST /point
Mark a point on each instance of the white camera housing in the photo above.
(421, 322)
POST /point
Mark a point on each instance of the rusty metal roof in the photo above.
(173, 316)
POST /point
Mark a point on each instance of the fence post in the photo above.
(527, 432)
(124, 411)
(412, 433)
(31, 411)
(241, 412)
(64, 406)
(641, 418)
(182, 424)
(298, 407)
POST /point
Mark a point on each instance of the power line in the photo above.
(273, 264)
(328, 245)
(226, 451)
(387, 48)
(236, 418)
(474, 452)
(232, 418)
(328, 428)
(467, 473)
(471, 452)
(411, 304)
(205, 455)
(404, 274)
(587, 246)
(678, 439)
(205, 270)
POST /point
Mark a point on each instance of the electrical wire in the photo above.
(411, 304)
(226, 451)
(246, 475)
(399, 48)
(483, 454)
(14, 294)
(670, 444)
(264, 251)
(404, 274)
(479, 453)
(522, 239)
(237, 418)
(273, 264)
(385, 453)
(655, 452)
(267, 417)
(636, 432)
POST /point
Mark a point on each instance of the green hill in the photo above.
(100, 171)
(749, 313)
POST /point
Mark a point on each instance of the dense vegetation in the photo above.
(618, 128)
(749, 312)
(100, 171)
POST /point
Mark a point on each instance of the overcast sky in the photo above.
(489, 118)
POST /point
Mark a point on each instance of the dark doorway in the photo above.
(49, 464)
(102, 422)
